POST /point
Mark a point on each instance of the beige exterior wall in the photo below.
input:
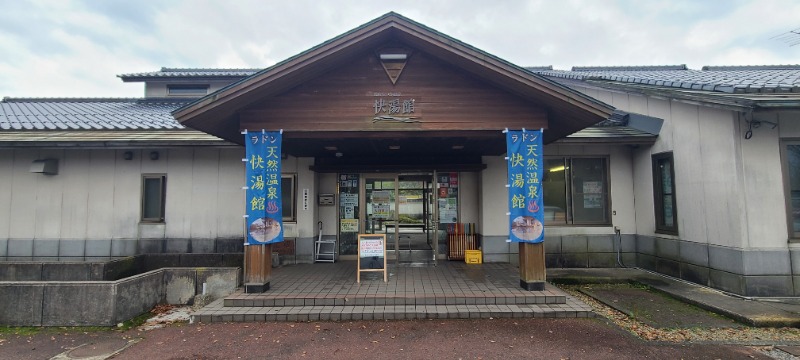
(97, 194)
(328, 214)
(729, 190)
(468, 193)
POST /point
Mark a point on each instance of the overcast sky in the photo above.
(60, 48)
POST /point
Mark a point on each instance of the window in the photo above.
(791, 156)
(187, 90)
(664, 191)
(288, 196)
(576, 191)
(153, 194)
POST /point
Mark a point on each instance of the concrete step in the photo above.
(242, 300)
(217, 312)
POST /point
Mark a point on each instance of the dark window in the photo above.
(791, 154)
(664, 191)
(576, 191)
(187, 90)
(153, 194)
(288, 197)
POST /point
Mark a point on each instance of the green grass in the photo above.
(33, 330)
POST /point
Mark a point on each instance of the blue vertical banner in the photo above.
(525, 164)
(263, 176)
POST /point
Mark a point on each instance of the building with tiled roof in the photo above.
(690, 173)
(722, 179)
(724, 79)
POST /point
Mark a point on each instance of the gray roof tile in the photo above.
(727, 79)
(189, 73)
(87, 114)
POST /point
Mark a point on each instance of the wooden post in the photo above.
(532, 272)
(257, 268)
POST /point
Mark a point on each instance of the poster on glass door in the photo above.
(381, 204)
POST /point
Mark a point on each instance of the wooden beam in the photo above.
(532, 273)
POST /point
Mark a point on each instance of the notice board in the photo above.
(372, 254)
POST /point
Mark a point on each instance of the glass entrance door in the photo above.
(402, 207)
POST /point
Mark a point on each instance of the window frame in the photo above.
(293, 195)
(658, 194)
(793, 236)
(570, 190)
(162, 198)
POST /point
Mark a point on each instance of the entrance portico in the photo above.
(451, 290)
(393, 96)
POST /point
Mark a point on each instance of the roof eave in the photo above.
(177, 77)
(222, 104)
(621, 140)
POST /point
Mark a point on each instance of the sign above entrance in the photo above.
(394, 107)
(526, 208)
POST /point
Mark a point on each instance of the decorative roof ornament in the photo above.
(393, 61)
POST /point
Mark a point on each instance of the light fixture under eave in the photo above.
(331, 148)
(557, 168)
(393, 57)
(394, 147)
(457, 147)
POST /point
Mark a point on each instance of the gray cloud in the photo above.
(75, 48)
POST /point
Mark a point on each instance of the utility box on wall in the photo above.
(45, 166)
(325, 199)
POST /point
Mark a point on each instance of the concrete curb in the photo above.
(745, 310)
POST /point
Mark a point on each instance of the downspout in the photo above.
(618, 234)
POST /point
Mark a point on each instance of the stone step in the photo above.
(240, 299)
(217, 312)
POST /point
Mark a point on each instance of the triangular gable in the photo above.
(216, 113)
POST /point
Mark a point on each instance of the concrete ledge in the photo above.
(22, 304)
(105, 303)
(82, 249)
(748, 311)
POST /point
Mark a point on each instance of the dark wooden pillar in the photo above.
(257, 268)
(531, 266)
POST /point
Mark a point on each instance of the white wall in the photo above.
(494, 197)
(327, 184)
(468, 193)
(96, 194)
(729, 190)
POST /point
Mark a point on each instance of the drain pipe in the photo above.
(618, 234)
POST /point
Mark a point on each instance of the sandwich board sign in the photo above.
(371, 254)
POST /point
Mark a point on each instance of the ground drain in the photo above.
(99, 350)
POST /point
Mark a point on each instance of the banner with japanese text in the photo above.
(525, 164)
(263, 176)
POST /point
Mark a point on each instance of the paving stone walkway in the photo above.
(451, 290)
